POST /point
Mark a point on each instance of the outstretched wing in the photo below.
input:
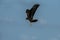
(33, 9)
(28, 13)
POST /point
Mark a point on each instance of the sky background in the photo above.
(14, 26)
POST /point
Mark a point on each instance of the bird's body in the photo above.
(31, 12)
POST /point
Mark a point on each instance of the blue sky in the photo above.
(14, 26)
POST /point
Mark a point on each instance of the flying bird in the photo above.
(30, 13)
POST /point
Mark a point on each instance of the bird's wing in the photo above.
(33, 9)
(27, 13)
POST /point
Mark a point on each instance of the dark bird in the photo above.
(30, 13)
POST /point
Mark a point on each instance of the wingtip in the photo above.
(37, 4)
(27, 10)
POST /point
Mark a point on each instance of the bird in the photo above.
(30, 13)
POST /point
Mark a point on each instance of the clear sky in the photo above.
(14, 26)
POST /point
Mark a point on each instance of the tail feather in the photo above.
(34, 20)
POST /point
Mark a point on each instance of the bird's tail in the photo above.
(34, 20)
